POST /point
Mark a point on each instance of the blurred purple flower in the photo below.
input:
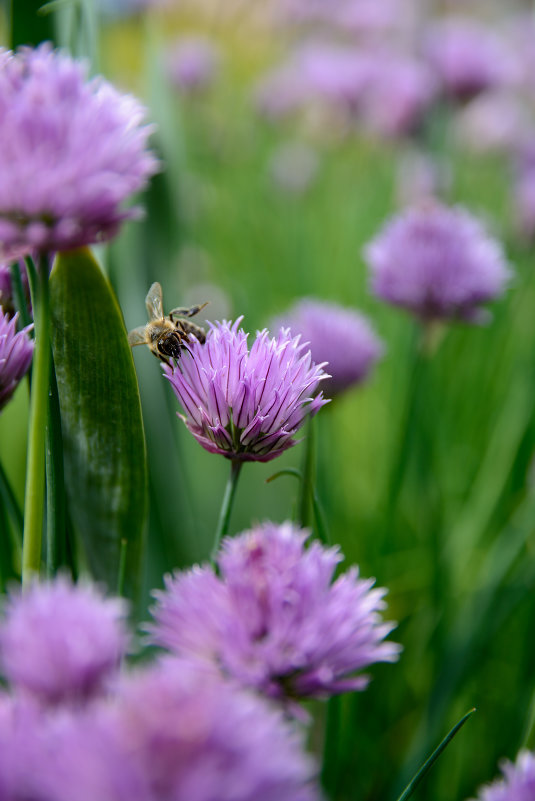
(495, 121)
(246, 405)
(399, 93)
(316, 71)
(198, 738)
(61, 642)
(293, 167)
(518, 783)
(364, 17)
(280, 92)
(16, 351)
(468, 57)
(273, 619)
(71, 151)
(437, 262)
(192, 63)
(66, 754)
(341, 337)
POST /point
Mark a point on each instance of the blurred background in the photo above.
(289, 131)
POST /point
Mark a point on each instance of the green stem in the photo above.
(10, 502)
(411, 787)
(18, 295)
(35, 468)
(308, 472)
(226, 506)
(56, 547)
(6, 547)
(121, 575)
(331, 763)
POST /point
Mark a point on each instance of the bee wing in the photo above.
(154, 302)
(137, 336)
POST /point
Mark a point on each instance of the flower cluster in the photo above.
(63, 643)
(518, 783)
(437, 262)
(192, 63)
(71, 151)
(468, 57)
(246, 404)
(16, 351)
(170, 730)
(274, 619)
(342, 338)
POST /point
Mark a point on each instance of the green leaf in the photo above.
(27, 25)
(104, 444)
(411, 787)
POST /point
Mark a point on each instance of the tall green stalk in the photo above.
(226, 506)
(308, 472)
(35, 467)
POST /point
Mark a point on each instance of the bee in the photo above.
(166, 336)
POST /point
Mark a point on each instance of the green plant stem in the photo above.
(411, 787)
(122, 568)
(35, 468)
(306, 492)
(56, 546)
(226, 506)
(330, 763)
(18, 295)
(10, 502)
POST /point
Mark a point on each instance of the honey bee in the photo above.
(164, 335)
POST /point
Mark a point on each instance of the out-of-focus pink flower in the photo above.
(62, 642)
(192, 63)
(437, 262)
(468, 58)
(338, 336)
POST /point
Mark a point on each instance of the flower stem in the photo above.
(308, 474)
(35, 468)
(10, 503)
(18, 295)
(226, 506)
(56, 546)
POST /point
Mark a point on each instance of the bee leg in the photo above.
(185, 312)
(183, 332)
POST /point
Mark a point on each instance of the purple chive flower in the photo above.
(246, 404)
(61, 642)
(274, 619)
(437, 262)
(192, 63)
(16, 351)
(198, 738)
(74, 755)
(518, 783)
(399, 94)
(317, 72)
(341, 337)
(71, 152)
(468, 58)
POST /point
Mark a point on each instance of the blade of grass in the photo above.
(428, 764)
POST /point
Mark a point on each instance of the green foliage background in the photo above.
(456, 545)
